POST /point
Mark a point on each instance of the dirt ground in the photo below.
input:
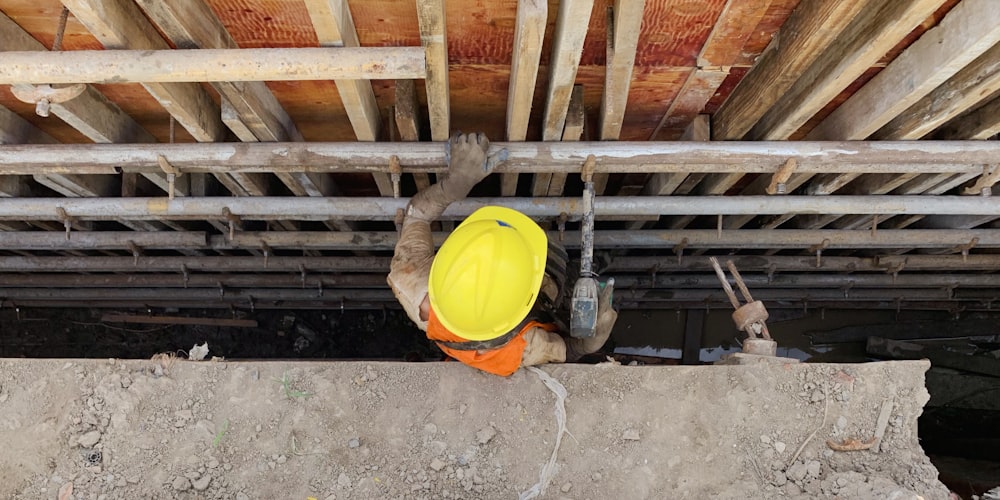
(110, 429)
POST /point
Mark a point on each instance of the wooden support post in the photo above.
(335, 28)
(529, 34)
(965, 33)
(694, 326)
(623, 39)
(433, 37)
(573, 131)
(873, 32)
(959, 94)
(567, 47)
(810, 28)
(407, 118)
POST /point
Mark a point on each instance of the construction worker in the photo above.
(478, 297)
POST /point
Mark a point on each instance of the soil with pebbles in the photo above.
(111, 429)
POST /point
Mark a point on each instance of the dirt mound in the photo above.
(248, 430)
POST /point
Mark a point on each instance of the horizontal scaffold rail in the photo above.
(901, 264)
(329, 282)
(374, 208)
(821, 239)
(523, 157)
(213, 65)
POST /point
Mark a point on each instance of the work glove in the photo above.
(468, 164)
(606, 318)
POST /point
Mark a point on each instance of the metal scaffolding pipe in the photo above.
(193, 264)
(959, 157)
(330, 282)
(336, 304)
(608, 239)
(371, 208)
(213, 65)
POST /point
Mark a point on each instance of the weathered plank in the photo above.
(982, 123)
(567, 47)
(810, 28)
(406, 113)
(971, 28)
(529, 34)
(121, 25)
(872, 33)
(970, 86)
(573, 131)
(434, 38)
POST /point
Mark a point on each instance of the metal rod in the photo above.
(87, 240)
(213, 65)
(370, 208)
(524, 157)
(725, 283)
(209, 264)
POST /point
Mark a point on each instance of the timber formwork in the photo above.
(176, 177)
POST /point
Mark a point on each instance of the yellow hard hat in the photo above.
(486, 275)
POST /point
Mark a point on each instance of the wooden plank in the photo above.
(213, 65)
(407, 118)
(962, 92)
(694, 326)
(178, 320)
(573, 131)
(811, 27)
(698, 89)
(434, 38)
(567, 48)
(623, 38)
(624, 25)
(664, 184)
(335, 28)
(982, 123)
(971, 28)
(872, 33)
(121, 25)
(529, 35)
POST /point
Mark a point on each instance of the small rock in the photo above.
(765, 439)
(797, 472)
(841, 422)
(213, 463)
(485, 435)
(630, 435)
(462, 408)
(827, 453)
(202, 483)
(242, 496)
(596, 477)
(181, 483)
(354, 443)
(89, 439)
(779, 478)
(816, 397)
(813, 468)
(282, 459)
(437, 464)
(343, 480)
(566, 487)
(779, 447)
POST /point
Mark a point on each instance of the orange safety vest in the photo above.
(503, 360)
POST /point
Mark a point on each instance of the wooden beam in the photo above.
(529, 35)
(335, 28)
(624, 25)
(434, 38)
(573, 131)
(896, 349)
(212, 65)
(567, 47)
(121, 25)
(811, 27)
(722, 49)
(879, 157)
(407, 115)
(623, 39)
(962, 92)
(873, 32)
(971, 28)
(981, 123)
